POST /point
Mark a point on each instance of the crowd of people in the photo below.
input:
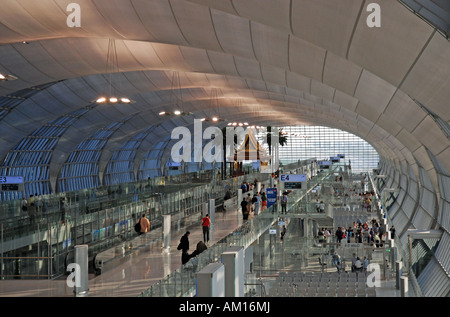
(371, 233)
(252, 204)
(357, 264)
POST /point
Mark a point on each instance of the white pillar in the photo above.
(404, 286)
(239, 198)
(212, 210)
(81, 277)
(166, 231)
(211, 281)
(233, 259)
(398, 273)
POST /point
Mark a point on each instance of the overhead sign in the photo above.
(323, 163)
(10, 187)
(11, 179)
(335, 158)
(341, 155)
(173, 164)
(288, 185)
(292, 178)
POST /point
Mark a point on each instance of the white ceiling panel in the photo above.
(328, 24)
(401, 104)
(270, 45)
(401, 34)
(272, 13)
(273, 74)
(324, 91)
(197, 59)
(433, 138)
(408, 140)
(341, 73)
(305, 58)
(422, 157)
(22, 22)
(345, 100)
(223, 63)
(429, 79)
(298, 82)
(124, 18)
(196, 24)
(374, 92)
(224, 5)
(171, 57)
(273, 62)
(388, 124)
(233, 33)
(144, 54)
(157, 19)
(248, 68)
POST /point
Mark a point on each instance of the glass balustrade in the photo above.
(101, 218)
(298, 251)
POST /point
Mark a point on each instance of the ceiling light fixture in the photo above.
(7, 77)
(241, 124)
(177, 102)
(213, 104)
(111, 95)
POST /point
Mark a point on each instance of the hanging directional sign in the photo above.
(292, 178)
(11, 179)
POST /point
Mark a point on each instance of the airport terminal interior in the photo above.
(313, 134)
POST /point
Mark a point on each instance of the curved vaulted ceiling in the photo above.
(274, 62)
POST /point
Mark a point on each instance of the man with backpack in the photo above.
(144, 225)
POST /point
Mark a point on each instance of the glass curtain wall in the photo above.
(305, 142)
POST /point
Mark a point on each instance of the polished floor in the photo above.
(139, 272)
(142, 269)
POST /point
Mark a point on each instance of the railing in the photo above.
(181, 282)
(52, 234)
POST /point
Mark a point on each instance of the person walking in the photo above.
(264, 201)
(257, 203)
(392, 230)
(184, 247)
(244, 209)
(206, 223)
(284, 201)
(283, 232)
(145, 224)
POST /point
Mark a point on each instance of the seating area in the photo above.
(327, 284)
